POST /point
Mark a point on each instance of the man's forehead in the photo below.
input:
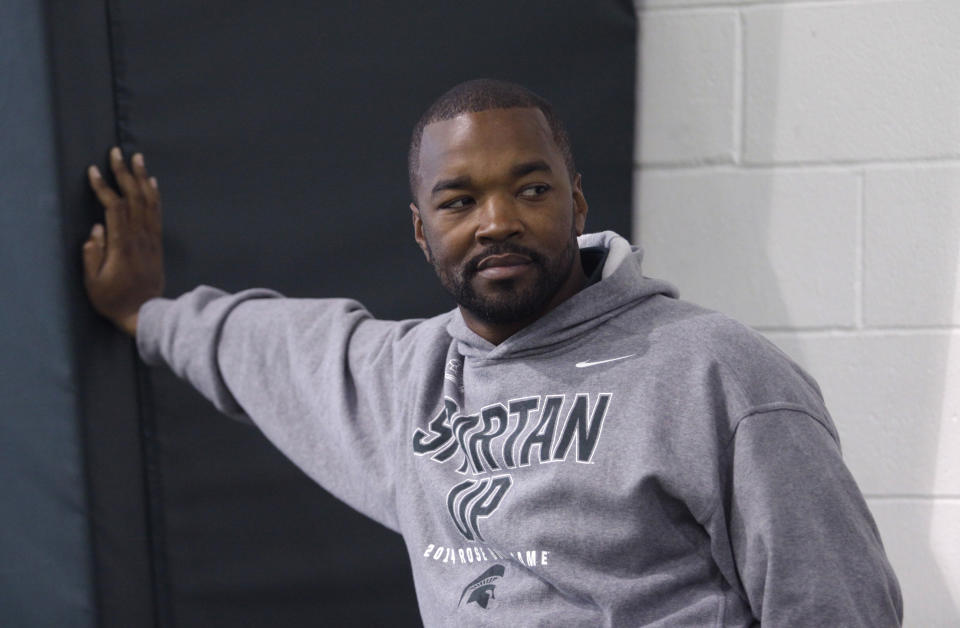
(525, 119)
(507, 132)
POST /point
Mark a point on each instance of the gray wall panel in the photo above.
(45, 557)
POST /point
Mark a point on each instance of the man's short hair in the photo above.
(482, 95)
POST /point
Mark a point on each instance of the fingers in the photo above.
(137, 204)
(140, 175)
(126, 181)
(114, 206)
(94, 250)
(149, 192)
(104, 192)
(156, 216)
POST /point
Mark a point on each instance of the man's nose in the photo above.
(499, 219)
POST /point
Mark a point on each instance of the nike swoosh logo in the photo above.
(587, 363)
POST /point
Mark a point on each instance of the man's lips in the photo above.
(503, 266)
(506, 259)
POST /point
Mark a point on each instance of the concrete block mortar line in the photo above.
(739, 88)
(859, 268)
(713, 165)
(705, 162)
(874, 162)
(642, 7)
(697, 9)
(731, 168)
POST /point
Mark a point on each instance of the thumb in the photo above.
(94, 250)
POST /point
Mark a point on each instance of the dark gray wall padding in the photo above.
(278, 132)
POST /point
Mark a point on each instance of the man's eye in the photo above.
(457, 203)
(533, 191)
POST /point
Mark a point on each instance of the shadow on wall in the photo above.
(943, 534)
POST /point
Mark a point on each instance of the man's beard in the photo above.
(508, 303)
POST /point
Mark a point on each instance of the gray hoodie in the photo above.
(628, 459)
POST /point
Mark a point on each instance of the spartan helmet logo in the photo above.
(481, 589)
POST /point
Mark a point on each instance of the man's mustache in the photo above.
(503, 248)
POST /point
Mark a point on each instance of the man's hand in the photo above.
(123, 268)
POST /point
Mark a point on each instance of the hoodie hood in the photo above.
(621, 286)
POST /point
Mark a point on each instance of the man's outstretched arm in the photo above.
(123, 265)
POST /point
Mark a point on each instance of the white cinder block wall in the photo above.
(798, 167)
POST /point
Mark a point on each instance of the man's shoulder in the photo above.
(698, 345)
(686, 325)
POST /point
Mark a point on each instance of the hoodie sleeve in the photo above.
(807, 550)
(315, 375)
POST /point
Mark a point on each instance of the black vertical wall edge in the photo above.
(113, 15)
(154, 499)
(151, 469)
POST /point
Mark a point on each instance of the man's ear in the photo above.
(579, 205)
(418, 230)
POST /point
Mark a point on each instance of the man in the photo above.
(571, 446)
